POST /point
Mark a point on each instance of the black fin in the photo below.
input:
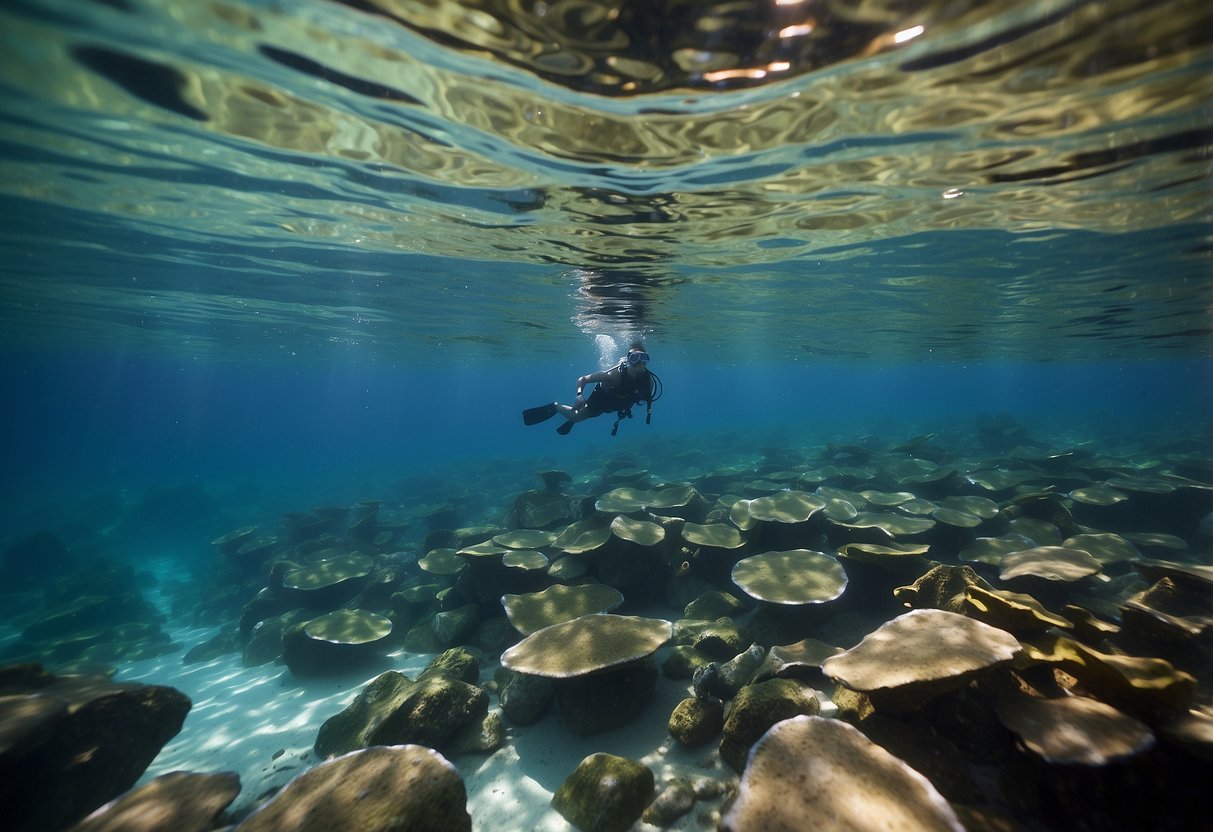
(565, 428)
(535, 415)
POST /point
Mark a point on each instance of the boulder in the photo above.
(695, 721)
(72, 743)
(757, 708)
(674, 801)
(451, 626)
(712, 605)
(381, 789)
(526, 698)
(394, 710)
(605, 793)
(542, 510)
(180, 801)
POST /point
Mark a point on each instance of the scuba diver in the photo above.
(628, 383)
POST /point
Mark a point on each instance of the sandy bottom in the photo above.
(261, 723)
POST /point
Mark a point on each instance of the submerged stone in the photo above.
(696, 720)
(605, 793)
(758, 707)
(373, 790)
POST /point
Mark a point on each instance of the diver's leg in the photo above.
(573, 414)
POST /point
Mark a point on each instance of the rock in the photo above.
(451, 626)
(484, 738)
(422, 639)
(78, 742)
(394, 710)
(373, 790)
(604, 794)
(713, 605)
(738, 671)
(757, 708)
(219, 645)
(432, 712)
(495, 635)
(674, 801)
(264, 604)
(683, 662)
(695, 721)
(457, 663)
(542, 510)
(606, 700)
(181, 801)
(265, 642)
(719, 639)
(526, 698)
(350, 729)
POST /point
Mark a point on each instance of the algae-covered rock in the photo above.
(719, 639)
(394, 710)
(605, 793)
(758, 707)
(526, 698)
(683, 661)
(941, 588)
(180, 800)
(542, 509)
(695, 720)
(457, 662)
(674, 801)
(372, 790)
(70, 744)
(451, 626)
(713, 605)
(484, 737)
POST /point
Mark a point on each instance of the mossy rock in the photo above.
(395, 710)
(526, 698)
(719, 639)
(605, 793)
(542, 509)
(713, 605)
(371, 790)
(696, 721)
(756, 708)
(683, 661)
(451, 626)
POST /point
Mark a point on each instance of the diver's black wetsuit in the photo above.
(619, 398)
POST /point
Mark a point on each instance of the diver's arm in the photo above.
(592, 378)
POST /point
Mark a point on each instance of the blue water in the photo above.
(84, 423)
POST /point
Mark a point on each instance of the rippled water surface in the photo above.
(812, 179)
